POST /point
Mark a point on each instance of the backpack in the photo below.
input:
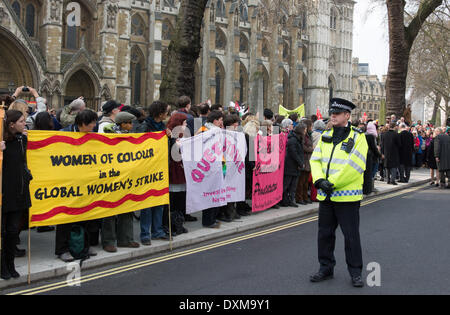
(79, 243)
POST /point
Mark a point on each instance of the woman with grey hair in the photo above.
(287, 125)
(318, 128)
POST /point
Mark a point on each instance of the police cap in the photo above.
(339, 105)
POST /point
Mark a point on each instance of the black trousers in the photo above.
(346, 215)
(289, 188)
(209, 216)
(392, 174)
(62, 236)
(405, 173)
(10, 235)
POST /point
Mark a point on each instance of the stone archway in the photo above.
(80, 84)
(17, 67)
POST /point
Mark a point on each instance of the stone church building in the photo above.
(259, 52)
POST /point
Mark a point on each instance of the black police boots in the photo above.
(321, 276)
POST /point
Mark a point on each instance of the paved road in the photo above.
(407, 235)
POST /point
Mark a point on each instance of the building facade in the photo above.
(368, 92)
(259, 52)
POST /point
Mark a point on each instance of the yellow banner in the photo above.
(286, 112)
(79, 177)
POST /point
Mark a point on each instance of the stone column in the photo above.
(109, 37)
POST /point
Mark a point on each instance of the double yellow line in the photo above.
(110, 272)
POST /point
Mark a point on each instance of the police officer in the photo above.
(337, 167)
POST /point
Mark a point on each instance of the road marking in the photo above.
(145, 263)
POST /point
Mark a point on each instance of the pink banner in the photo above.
(269, 170)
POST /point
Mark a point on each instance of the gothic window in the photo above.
(243, 44)
(164, 60)
(167, 30)
(219, 80)
(333, 18)
(265, 20)
(16, 8)
(137, 68)
(265, 49)
(243, 11)
(30, 19)
(137, 26)
(285, 52)
(221, 42)
(169, 3)
(243, 82)
(71, 37)
(220, 9)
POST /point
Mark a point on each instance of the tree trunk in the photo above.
(398, 59)
(184, 50)
(401, 39)
(436, 110)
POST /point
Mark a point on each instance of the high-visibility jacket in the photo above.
(344, 170)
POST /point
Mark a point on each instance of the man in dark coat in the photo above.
(391, 151)
(442, 154)
(406, 153)
(294, 163)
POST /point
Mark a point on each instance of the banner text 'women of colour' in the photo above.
(79, 177)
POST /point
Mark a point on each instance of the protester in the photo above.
(406, 153)
(303, 180)
(294, 117)
(85, 122)
(214, 121)
(431, 160)
(21, 106)
(119, 228)
(177, 181)
(294, 163)
(44, 121)
(318, 129)
(268, 114)
(69, 112)
(442, 154)
(110, 109)
(251, 126)
(229, 213)
(33, 110)
(138, 122)
(152, 218)
(287, 125)
(391, 151)
(266, 128)
(373, 155)
(16, 191)
(184, 105)
(204, 111)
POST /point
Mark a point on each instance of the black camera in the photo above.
(25, 89)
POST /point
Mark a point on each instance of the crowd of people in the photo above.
(394, 149)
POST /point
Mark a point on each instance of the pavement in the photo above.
(45, 265)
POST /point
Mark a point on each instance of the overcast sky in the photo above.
(370, 36)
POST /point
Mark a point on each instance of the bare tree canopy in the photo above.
(401, 40)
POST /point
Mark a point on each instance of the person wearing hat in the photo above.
(338, 164)
(110, 109)
(119, 228)
(123, 123)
